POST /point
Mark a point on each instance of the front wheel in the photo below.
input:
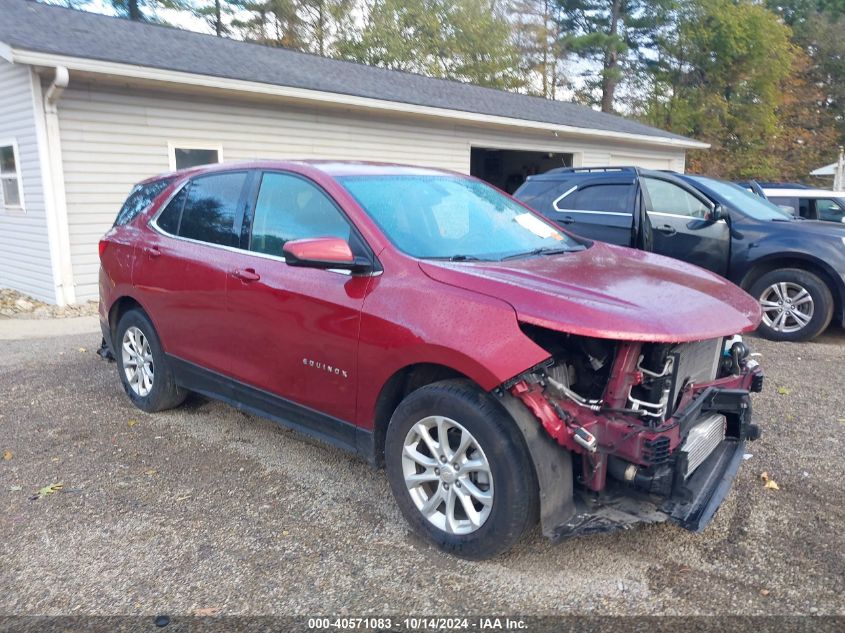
(797, 305)
(460, 470)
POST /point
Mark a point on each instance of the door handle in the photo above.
(567, 219)
(152, 251)
(667, 230)
(247, 275)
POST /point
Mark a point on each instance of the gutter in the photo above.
(148, 73)
(53, 180)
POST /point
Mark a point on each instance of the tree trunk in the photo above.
(135, 11)
(218, 19)
(611, 60)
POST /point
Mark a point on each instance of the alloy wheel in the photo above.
(138, 361)
(447, 475)
(787, 306)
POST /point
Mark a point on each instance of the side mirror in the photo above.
(716, 213)
(324, 253)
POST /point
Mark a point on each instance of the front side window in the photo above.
(450, 217)
(829, 210)
(206, 209)
(139, 200)
(186, 157)
(291, 208)
(10, 178)
(667, 197)
(607, 198)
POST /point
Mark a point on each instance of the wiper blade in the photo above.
(545, 250)
(464, 258)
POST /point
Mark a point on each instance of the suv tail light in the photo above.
(102, 246)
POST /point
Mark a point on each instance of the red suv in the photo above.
(500, 368)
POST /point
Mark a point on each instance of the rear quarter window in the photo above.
(139, 200)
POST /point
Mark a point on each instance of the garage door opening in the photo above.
(507, 169)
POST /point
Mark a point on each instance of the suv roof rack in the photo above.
(577, 170)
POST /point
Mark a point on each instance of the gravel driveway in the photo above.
(207, 510)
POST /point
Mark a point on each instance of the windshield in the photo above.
(449, 217)
(743, 200)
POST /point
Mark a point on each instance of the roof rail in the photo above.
(586, 170)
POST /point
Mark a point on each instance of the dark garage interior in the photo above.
(507, 169)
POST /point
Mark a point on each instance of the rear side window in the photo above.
(206, 209)
(607, 198)
(139, 200)
(790, 205)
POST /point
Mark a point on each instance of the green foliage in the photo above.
(538, 36)
(719, 79)
(466, 40)
(617, 36)
(314, 26)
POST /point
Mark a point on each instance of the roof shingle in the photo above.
(32, 26)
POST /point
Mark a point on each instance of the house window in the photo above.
(11, 191)
(185, 156)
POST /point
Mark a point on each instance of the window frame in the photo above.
(579, 188)
(357, 243)
(13, 208)
(240, 214)
(708, 204)
(172, 146)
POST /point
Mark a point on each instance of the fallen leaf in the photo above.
(7, 455)
(285, 533)
(764, 476)
(132, 423)
(784, 391)
(54, 459)
(47, 490)
(206, 612)
(151, 471)
(14, 488)
(764, 592)
(82, 349)
(772, 484)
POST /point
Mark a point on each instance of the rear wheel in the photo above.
(460, 470)
(144, 371)
(797, 305)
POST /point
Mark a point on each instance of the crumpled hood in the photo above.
(610, 292)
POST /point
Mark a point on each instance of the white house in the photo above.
(91, 104)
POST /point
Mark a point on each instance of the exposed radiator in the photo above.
(705, 436)
(696, 362)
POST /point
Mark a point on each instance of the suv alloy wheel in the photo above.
(144, 371)
(460, 470)
(796, 304)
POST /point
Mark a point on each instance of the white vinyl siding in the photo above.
(25, 263)
(112, 137)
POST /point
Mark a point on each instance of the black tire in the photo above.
(794, 277)
(515, 503)
(164, 393)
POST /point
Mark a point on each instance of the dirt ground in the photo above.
(207, 510)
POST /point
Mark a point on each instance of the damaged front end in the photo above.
(652, 431)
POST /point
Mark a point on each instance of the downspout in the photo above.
(65, 291)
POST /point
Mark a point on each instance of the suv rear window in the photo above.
(139, 200)
(206, 209)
